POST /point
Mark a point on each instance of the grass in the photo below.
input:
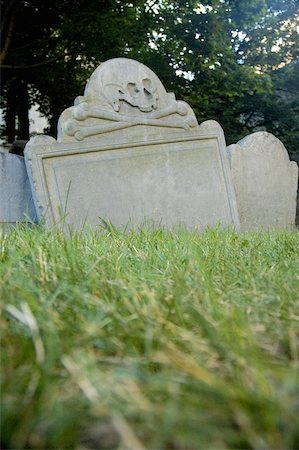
(150, 339)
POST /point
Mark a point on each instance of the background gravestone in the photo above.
(16, 204)
(295, 157)
(265, 182)
(128, 152)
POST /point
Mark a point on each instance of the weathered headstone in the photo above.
(16, 204)
(128, 152)
(265, 182)
(295, 157)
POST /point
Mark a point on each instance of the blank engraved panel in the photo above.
(165, 183)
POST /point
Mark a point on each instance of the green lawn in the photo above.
(156, 340)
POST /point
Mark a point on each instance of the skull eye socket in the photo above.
(133, 89)
(147, 86)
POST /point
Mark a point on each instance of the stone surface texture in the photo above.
(16, 204)
(265, 182)
(130, 153)
(295, 158)
(123, 94)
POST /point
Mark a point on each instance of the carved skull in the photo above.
(124, 80)
(138, 93)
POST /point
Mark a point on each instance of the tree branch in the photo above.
(288, 91)
(153, 4)
(29, 66)
(249, 118)
(8, 39)
(6, 13)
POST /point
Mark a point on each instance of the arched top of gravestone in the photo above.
(123, 94)
(264, 142)
(123, 80)
(265, 181)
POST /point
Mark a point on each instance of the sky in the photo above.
(37, 122)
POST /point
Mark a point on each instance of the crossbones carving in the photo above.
(156, 118)
(83, 111)
(123, 93)
(80, 132)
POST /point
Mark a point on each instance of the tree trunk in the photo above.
(10, 114)
(17, 106)
(23, 110)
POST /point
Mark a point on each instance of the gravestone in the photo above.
(295, 157)
(128, 152)
(16, 204)
(265, 182)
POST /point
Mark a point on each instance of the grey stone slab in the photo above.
(295, 157)
(16, 204)
(265, 182)
(130, 153)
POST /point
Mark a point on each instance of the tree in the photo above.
(50, 48)
(227, 58)
(232, 61)
(27, 46)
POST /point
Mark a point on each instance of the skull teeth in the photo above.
(146, 108)
(142, 108)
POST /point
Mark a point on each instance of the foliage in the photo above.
(152, 339)
(279, 112)
(227, 59)
(227, 54)
(55, 45)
